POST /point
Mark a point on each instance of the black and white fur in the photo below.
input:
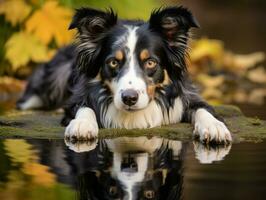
(124, 74)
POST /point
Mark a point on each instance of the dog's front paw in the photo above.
(209, 129)
(213, 131)
(81, 129)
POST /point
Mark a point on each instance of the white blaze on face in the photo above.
(130, 80)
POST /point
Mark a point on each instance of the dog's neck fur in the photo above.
(153, 115)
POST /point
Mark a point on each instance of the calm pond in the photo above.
(130, 168)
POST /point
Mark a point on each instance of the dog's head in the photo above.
(135, 60)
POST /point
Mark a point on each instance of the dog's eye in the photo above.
(113, 63)
(149, 194)
(150, 64)
(113, 190)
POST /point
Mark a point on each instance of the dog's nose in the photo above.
(130, 97)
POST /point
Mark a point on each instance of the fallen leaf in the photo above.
(243, 62)
(24, 47)
(257, 75)
(15, 11)
(206, 48)
(240, 96)
(11, 85)
(257, 96)
(212, 93)
(215, 102)
(210, 81)
(51, 22)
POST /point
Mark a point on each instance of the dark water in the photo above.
(130, 168)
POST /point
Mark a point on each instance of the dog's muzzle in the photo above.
(129, 97)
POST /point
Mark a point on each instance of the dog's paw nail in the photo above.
(206, 137)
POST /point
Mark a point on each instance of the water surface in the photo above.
(130, 168)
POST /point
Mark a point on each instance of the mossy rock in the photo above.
(39, 124)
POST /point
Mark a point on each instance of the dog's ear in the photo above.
(92, 22)
(92, 26)
(172, 22)
(173, 25)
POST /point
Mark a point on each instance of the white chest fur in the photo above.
(149, 117)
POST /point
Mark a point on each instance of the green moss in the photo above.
(36, 124)
(255, 121)
(228, 111)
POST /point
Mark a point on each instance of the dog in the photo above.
(124, 74)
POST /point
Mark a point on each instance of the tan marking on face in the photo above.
(144, 54)
(119, 55)
(108, 85)
(166, 80)
(98, 77)
(151, 91)
(152, 87)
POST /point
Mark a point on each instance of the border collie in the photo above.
(124, 74)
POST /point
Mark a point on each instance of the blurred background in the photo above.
(227, 56)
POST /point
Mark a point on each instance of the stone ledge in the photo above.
(39, 124)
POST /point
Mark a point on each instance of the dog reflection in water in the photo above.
(139, 168)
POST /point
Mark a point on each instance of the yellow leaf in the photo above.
(240, 96)
(239, 64)
(257, 75)
(257, 96)
(210, 81)
(203, 48)
(11, 85)
(35, 2)
(15, 11)
(51, 22)
(23, 47)
(212, 93)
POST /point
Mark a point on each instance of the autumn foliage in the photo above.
(42, 30)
